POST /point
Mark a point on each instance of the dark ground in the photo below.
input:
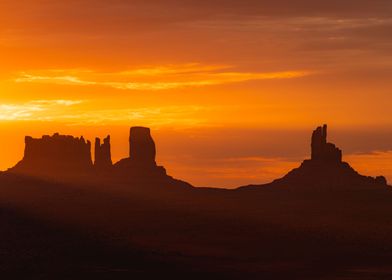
(58, 231)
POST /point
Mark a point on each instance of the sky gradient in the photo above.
(231, 89)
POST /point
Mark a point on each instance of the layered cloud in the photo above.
(156, 78)
(301, 34)
(186, 10)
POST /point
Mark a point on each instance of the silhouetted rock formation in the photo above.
(140, 168)
(65, 158)
(141, 162)
(321, 149)
(326, 170)
(103, 158)
(53, 156)
(141, 146)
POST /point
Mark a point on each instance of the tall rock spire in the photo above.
(321, 149)
(103, 158)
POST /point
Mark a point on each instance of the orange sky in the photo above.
(231, 89)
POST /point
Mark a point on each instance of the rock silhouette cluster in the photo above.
(66, 157)
(129, 220)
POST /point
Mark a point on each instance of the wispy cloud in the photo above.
(62, 102)
(34, 110)
(179, 116)
(157, 78)
(62, 80)
(66, 111)
(188, 68)
(18, 112)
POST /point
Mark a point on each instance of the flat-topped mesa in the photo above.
(141, 146)
(321, 149)
(103, 158)
(56, 155)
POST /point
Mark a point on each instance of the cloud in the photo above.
(159, 78)
(34, 110)
(61, 80)
(304, 33)
(67, 111)
(188, 68)
(56, 102)
(179, 116)
(10, 112)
